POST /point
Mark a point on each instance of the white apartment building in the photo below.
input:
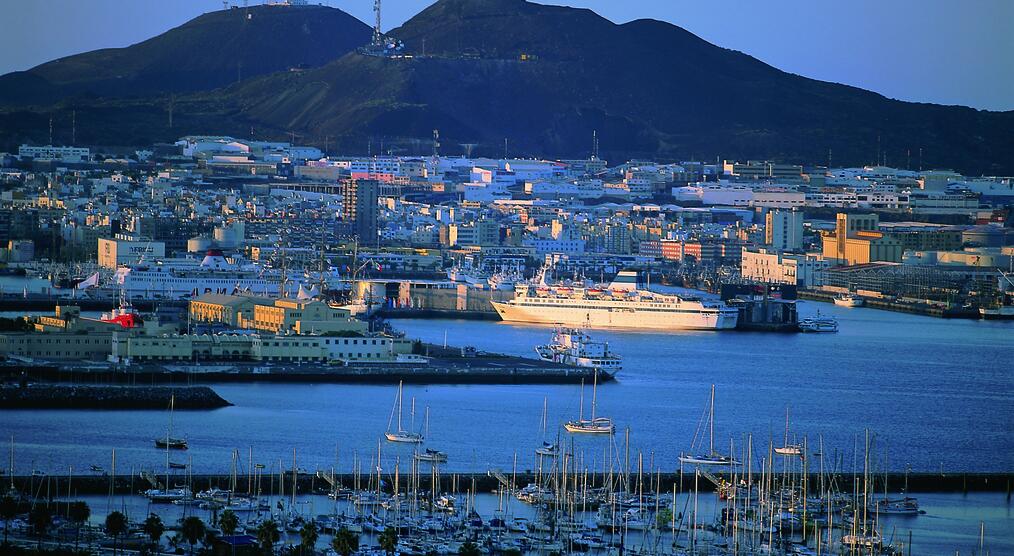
(49, 152)
(770, 267)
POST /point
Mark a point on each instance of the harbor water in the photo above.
(934, 394)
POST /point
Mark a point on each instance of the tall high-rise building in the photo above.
(783, 230)
(848, 224)
(359, 205)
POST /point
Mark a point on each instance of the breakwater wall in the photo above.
(478, 370)
(65, 396)
(310, 483)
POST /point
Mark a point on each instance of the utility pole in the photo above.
(50, 130)
(73, 127)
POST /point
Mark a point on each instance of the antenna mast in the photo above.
(377, 35)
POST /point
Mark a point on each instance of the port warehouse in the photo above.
(280, 330)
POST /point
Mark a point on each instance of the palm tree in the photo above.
(345, 542)
(388, 540)
(40, 518)
(268, 535)
(78, 512)
(229, 522)
(8, 511)
(308, 537)
(468, 548)
(193, 530)
(116, 525)
(154, 528)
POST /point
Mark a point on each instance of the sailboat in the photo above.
(429, 455)
(170, 443)
(548, 449)
(595, 425)
(786, 449)
(400, 435)
(712, 457)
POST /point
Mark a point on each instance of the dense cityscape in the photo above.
(226, 343)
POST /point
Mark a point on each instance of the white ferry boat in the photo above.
(620, 305)
(818, 323)
(214, 274)
(572, 346)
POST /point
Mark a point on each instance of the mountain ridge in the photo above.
(545, 77)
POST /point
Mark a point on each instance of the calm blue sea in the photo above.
(934, 394)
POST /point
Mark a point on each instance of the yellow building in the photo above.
(254, 347)
(863, 247)
(302, 317)
(226, 309)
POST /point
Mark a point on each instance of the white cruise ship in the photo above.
(620, 305)
(215, 274)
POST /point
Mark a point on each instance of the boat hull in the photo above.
(617, 317)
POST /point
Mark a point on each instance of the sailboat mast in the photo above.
(580, 413)
(595, 384)
(711, 422)
(400, 428)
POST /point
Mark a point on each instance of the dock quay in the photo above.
(64, 396)
(321, 481)
(443, 366)
(925, 309)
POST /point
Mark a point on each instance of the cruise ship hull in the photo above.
(618, 317)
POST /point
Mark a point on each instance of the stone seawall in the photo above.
(59, 396)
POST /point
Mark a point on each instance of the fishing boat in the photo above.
(169, 442)
(593, 425)
(818, 323)
(711, 457)
(848, 300)
(574, 347)
(401, 435)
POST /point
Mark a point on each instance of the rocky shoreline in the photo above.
(63, 396)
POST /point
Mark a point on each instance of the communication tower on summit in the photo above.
(381, 45)
(378, 37)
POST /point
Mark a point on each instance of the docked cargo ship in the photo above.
(619, 305)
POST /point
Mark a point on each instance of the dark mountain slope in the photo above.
(649, 88)
(545, 77)
(212, 50)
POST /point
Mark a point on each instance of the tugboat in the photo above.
(572, 346)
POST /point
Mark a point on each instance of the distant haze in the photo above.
(938, 51)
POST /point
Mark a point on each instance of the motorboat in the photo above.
(848, 300)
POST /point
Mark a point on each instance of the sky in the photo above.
(940, 51)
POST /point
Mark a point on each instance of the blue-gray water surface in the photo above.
(934, 394)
